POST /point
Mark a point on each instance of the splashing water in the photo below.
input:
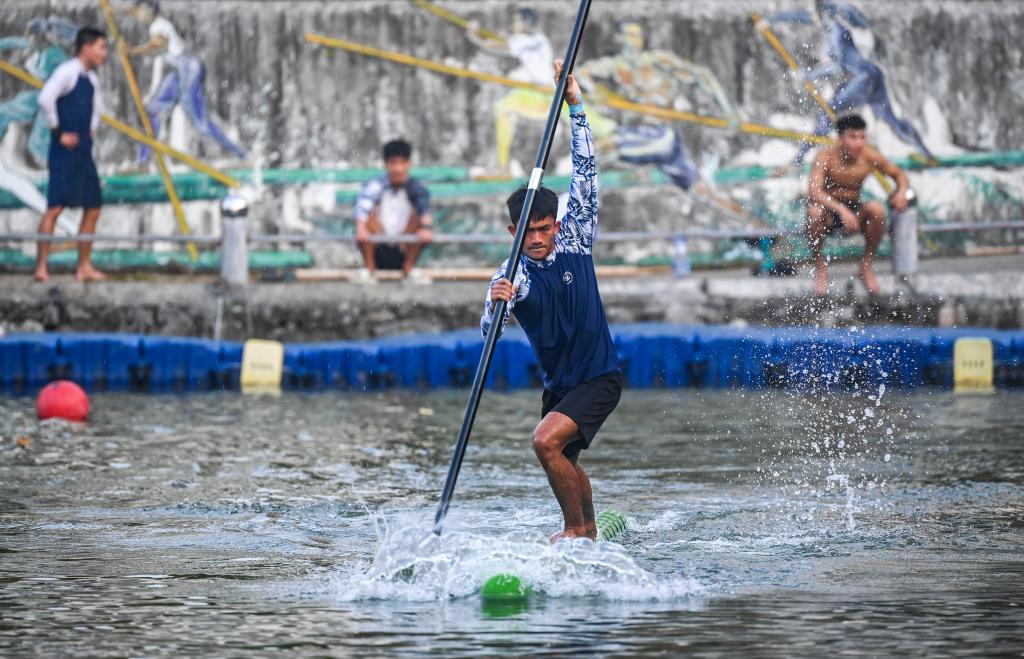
(414, 564)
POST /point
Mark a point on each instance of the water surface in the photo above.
(222, 525)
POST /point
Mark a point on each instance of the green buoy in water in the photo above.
(504, 588)
(508, 588)
(610, 525)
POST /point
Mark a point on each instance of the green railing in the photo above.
(444, 182)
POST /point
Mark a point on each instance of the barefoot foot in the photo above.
(569, 533)
(89, 274)
(41, 276)
(867, 273)
(821, 282)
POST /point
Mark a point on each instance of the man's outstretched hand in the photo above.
(572, 88)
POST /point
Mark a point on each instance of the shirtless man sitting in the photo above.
(834, 204)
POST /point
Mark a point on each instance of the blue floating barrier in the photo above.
(172, 363)
(202, 364)
(227, 368)
(14, 375)
(465, 359)
(652, 355)
(303, 367)
(127, 363)
(337, 363)
(1009, 372)
(379, 370)
(46, 360)
(938, 363)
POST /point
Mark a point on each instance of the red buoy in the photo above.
(62, 399)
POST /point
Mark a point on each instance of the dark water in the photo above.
(762, 523)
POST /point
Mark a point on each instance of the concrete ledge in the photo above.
(964, 292)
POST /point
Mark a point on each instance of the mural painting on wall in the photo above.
(178, 79)
(657, 78)
(637, 67)
(47, 42)
(858, 81)
(532, 50)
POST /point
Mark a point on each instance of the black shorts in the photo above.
(389, 257)
(837, 222)
(588, 405)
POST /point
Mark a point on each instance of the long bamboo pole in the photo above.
(456, 19)
(140, 107)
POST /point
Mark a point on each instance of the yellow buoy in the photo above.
(972, 365)
(262, 365)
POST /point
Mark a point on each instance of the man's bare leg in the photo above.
(411, 250)
(46, 225)
(85, 270)
(872, 220)
(369, 249)
(369, 257)
(586, 499)
(552, 435)
(817, 228)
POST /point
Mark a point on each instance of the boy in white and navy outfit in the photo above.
(70, 102)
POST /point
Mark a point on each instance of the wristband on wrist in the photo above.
(576, 108)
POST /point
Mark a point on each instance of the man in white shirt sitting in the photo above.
(393, 204)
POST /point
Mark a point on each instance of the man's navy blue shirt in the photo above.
(557, 301)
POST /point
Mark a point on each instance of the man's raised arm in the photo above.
(579, 227)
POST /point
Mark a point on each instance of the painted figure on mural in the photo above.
(659, 78)
(46, 44)
(178, 78)
(532, 50)
(859, 81)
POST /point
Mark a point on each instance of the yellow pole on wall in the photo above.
(809, 85)
(455, 19)
(612, 101)
(21, 74)
(133, 87)
(171, 152)
(135, 134)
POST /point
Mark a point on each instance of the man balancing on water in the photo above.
(557, 303)
(834, 203)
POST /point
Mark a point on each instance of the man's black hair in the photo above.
(528, 15)
(88, 35)
(850, 122)
(545, 204)
(397, 149)
(152, 4)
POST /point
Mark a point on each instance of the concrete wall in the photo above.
(311, 106)
(953, 69)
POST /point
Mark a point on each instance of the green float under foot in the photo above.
(510, 588)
